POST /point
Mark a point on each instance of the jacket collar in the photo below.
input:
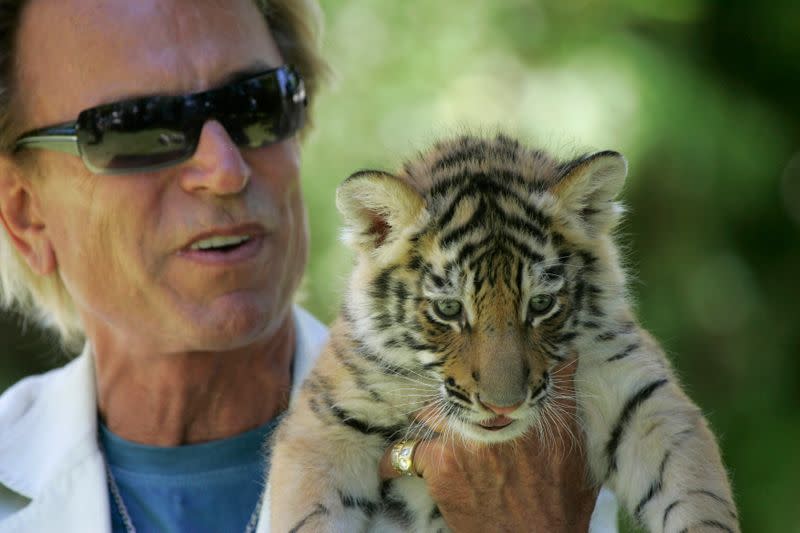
(50, 421)
(53, 425)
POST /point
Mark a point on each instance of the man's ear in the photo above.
(377, 207)
(21, 218)
(588, 189)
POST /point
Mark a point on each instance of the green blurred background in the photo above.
(702, 98)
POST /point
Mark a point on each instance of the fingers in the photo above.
(419, 460)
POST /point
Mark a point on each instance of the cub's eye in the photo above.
(447, 309)
(541, 303)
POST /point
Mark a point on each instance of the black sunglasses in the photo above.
(149, 133)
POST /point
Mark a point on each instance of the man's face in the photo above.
(121, 242)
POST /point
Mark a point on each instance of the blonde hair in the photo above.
(295, 25)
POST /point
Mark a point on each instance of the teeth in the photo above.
(219, 242)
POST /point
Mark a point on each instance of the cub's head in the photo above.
(477, 267)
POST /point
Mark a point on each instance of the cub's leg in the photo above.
(647, 439)
(324, 475)
(408, 502)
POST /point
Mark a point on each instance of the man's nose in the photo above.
(217, 166)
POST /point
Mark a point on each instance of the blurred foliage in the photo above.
(700, 95)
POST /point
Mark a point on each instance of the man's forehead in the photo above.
(75, 54)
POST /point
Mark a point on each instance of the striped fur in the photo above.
(522, 244)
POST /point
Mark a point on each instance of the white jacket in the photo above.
(50, 458)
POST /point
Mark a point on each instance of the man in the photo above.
(166, 229)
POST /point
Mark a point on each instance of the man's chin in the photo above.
(227, 327)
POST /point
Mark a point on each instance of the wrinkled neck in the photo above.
(185, 398)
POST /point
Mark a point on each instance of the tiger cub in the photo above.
(480, 267)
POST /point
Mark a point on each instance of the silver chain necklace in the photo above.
(126, 517)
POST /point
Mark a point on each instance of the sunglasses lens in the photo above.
(156, 132)
(263, 110)
(136, 135)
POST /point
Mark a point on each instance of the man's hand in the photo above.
(530, 484)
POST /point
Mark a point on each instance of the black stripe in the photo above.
(564, 168)
(668, 510)
(433, 364)
(607, 336)
(477, 285)
(435, 513)
(383, 321)
(364, 505)
(627, 413)
(462, 155)
(655, 488)
(438, 280)
(382, 365)
(567, 337)
(595, 311)
(552, 355)
(714, 496)
(379, 288)
(464, 398)
(344, 312)
(624, 353)
(416, 264)
(577, 299)
(450, 212)
(355, 371)
(495, 186)
(720, 525)
(511, 219)
(347, 419)
(392, 342)
(408, 168)
(493, 181)
(519, 279)
(710, 494)
(394, 508)
(589, 259)
(712, 523)
(555, 271)
(315, 408)
(469, 249)
(401, 293)
(519, 224)
(454, 235)
(416, 345)
(544, 384)
(508, 148)
(318, 510)
(521, 248)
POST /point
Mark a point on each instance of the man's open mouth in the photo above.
(220, 244)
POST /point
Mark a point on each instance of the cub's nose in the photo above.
(500, 409)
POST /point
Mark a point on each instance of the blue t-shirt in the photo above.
(210, 487)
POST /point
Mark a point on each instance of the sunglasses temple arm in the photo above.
(62, 138)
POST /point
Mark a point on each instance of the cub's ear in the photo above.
(377, 207)
(587, 190)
